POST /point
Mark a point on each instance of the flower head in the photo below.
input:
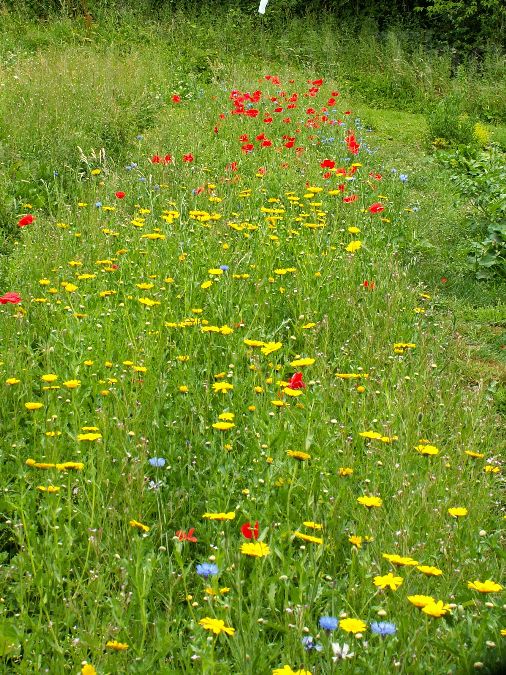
(383, 628)
(421, 600)
(157, 462)
(116, 646)
(370, 501)
(341, 652)
(353, 625)
(388, 581)
(207, 570)
(328, 622)
(216, 626)
(458, 512)
(255, 549)
(436, 609)
(485, 586)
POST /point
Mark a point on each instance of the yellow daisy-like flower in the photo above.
(371, 435)
(429, 571)
(255, 549)
(270, 347)
(345, 471)
(223, 426)
(472, 453)
(148, 302)
(388, 581)
(298, 454)
(354, 246)
(116, 646)
(12, 380)
(222, 386)
(370, 502)
(286, 670)
(492, 469)
(72, 384)
(227, 416)
(89, 437)
(88, 669)
(427, 449)
(487, 586)
(458, 512)
(216, 626)
(312, 526)
(421, 600)
(400, 560)
(287, 391)
(31, 405)
(308, 537)
(353, 625)
(302, 362)
(139, 526)
(219, 516)
(50, 377)
(436, 609)
(352, 376)
(50, 489)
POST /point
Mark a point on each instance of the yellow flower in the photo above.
(33, 406)
(50, 377)
(388, 581)
(88, 669)
(255, 549)
(485, 586)
(371, 435)
(148, 302)
(370, 501)
(216, 626)
(72, 384)
(312, 526)
(357, 541)
(222, 386)
(429, 571)
(352, 625)
(50, 489)
(183, 389)
(117, 646)
(66, 466)
(298, 454)
(308, 537)
(89, 437)
(400, 560)
(227, 416)
(219, 516)
(457, 512)
(471, 453)
(223, 426)
(353, 230)
(139, 526)
(95, 172)
(354, 246)
(436, 609)
(206, 284)
(270, 347)
(421, 600)
(286, 670)
(492, 469)
(292, 392)
(302, 362)
(345, 471)
(12, 380)
(427, 449)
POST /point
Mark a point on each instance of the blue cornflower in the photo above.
(98, 205)
(328, 622)
(139, 137)
(158, 462)
(403, 177)
(207, 570)
(310, 644)
(225, 268)
(383, 628)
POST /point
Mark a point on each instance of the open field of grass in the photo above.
(241, 295)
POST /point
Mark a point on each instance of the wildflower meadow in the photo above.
(237, 435)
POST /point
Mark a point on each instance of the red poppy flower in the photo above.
(250, 532)
(296, 382)
(252, 112)
(167, 159)
(377, 207)
(155, 159)
(247, 147)
(120, 195)
(262, 170)
(176, 98)
(232, 166)
(444, 280)
(186, 536)
(351, 144)
(188, 157)
(327, 175)
(267, 120)
(287, 120)
(310, 111)
(12, 298)
(350, 198)
(26, 220)
(331, 101)
(266, 143)
(317, 83)
(368, 284)
(327, 164)
(244, 138)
